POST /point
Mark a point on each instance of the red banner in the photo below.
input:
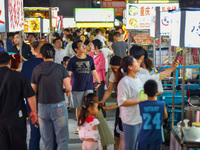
(119, 6)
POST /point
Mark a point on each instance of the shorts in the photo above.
(118, 130)
(77, 98)
(90, 145)
(144, 146)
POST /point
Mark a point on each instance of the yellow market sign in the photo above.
(94, 25)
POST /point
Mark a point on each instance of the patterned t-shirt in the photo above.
(82, 79)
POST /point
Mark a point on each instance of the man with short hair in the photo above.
(31, 38)
(9, 44)
(66, 32)
(27, 70)
(120, 47)
(26, 49)
(60, 53)
(100, 36)
(14, 87)
(82, 68)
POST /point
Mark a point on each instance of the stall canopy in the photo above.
(43, 12)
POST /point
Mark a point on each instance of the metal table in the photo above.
(191, 136)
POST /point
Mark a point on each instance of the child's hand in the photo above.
(101, 103)
(68, 94)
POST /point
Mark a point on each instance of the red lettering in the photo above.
(142, 11)
(15, 13)
(147, 11)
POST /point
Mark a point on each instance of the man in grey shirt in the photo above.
(120, 47)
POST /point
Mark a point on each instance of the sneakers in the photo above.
(77, 131)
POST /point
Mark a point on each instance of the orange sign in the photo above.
(119, 6)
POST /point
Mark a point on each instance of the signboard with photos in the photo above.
(32, 25)
(142, 16)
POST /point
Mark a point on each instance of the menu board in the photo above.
(94, 15)
(32, 25)
(2, 16)
(15, 15)
(142, 16)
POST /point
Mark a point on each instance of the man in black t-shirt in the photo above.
(14, 87)
(26, 49)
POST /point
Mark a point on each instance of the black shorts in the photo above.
(118, 130)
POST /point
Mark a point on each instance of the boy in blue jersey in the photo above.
(152, 112)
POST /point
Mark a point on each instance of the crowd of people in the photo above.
(70, 71)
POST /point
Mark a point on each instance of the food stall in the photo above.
(36, 26)
(142, 22)
(185, 37)
(43, 13)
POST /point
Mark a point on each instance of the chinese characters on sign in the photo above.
(119, 6)
(16, 16)
(142, 16)
(2, 16)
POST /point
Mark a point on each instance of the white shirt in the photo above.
(68, 48)
(106, 52)
(144, 75)
(160, 87)
(112, 78)
(129, 89)
(101, 38)
(132, 89)
(59, 55)
(86, 131)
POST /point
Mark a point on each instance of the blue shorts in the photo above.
(143, 146)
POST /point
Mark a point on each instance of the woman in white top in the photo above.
(128, 90)
(130, 93)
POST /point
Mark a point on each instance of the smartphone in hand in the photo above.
(177, 56)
